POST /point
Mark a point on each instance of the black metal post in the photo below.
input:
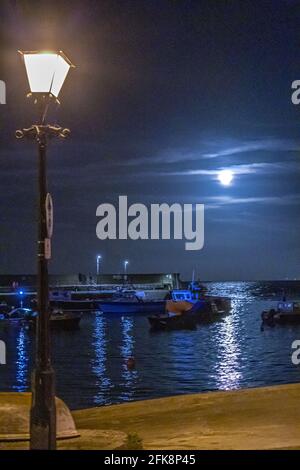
(43, 412)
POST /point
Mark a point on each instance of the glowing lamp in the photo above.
(46, 71)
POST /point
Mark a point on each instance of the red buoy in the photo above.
(130, 363)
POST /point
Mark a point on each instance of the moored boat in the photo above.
(206, 310)
(61, 300)
(167, 322)
(28, 317)
(131, 301)
(74, 305)
(222, 304)
(66, 320)
(18, 316)
(130, 306)
(285, 313)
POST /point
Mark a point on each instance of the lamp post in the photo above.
(46, 73)
(125, 269)
(99, 257)
(125, 266)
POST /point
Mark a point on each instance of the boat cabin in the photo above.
(181, 294)
(288, 307)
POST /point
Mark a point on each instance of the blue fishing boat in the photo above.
(130, 301)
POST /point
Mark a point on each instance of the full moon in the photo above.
(225, 177)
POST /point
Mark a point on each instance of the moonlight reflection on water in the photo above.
(91, 363)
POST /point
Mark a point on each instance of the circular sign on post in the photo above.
(49, 215)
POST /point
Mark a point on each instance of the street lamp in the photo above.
(46, 73)
(125, 268)
(99, 257)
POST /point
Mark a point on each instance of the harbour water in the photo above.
(90, 362)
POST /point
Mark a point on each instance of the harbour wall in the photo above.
(12, 282)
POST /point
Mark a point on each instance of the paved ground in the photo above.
(258, 418)
(88, 440)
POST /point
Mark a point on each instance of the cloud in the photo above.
(215, 202)
(267, 145)
(216, 148)
(243, 169)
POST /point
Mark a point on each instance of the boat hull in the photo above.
(74, 305)
(222, 303)
(288, 319)
(127, 307)
(64, 321)
(206, 312)
(272, 318)
(171, 323)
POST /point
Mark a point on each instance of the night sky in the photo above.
(166, 93)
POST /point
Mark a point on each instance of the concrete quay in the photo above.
(257, 418)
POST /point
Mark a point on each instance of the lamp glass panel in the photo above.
(61, 71)
(46, 72)
(40, 70)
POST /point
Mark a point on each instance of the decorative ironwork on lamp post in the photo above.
(46, 72)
